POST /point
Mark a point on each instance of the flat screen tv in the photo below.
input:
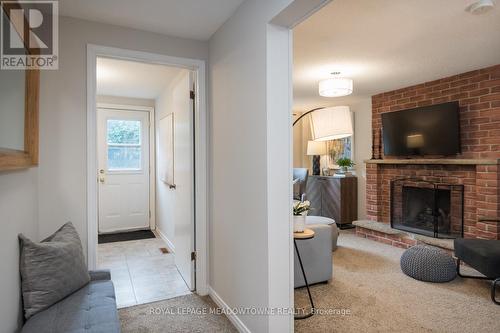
(430, 130)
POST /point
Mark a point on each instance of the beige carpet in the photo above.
(173, 316)
(368, 282)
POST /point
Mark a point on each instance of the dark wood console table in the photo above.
(334, 197)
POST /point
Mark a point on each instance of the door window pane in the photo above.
(124, 132)
(124, 158)
(124, 144)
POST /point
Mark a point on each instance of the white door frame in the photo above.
(201, 165)
(152, 152)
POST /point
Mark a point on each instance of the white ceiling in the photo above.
(386, 44)
(195, 19)
(133, 79)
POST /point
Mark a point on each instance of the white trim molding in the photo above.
(201, 139)
(170, 245)
(233, 318)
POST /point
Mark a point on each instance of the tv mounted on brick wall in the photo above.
(425, 131)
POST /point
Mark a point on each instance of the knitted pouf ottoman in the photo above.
(428, 263)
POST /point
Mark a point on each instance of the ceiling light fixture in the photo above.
(335, 87)
(479, 6)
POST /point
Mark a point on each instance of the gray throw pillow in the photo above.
(51, 269)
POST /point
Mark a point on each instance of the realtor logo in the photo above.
(29, 35)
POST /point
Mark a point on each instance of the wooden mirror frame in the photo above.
(11, 159)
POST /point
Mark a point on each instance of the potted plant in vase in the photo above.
(300, 210)
(345, 163)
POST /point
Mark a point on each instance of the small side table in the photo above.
(307, 234)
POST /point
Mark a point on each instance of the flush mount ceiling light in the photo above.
(335, 87)
(479, 6)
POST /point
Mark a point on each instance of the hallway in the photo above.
(140, 272)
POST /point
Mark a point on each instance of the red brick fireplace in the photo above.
(477, 168)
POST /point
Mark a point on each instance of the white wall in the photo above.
(166, 199)
(164, 196)
(251, 165)
(362, 148)
(18, 211)
(62, 172)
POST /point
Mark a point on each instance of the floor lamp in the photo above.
(326, 124)
(329, 123)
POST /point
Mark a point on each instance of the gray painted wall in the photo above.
(62, 181)
(18, 211)
(38, 201)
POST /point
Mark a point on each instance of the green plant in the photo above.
(301, 207)
(345, 162)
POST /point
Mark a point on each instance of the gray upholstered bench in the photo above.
(91, 309)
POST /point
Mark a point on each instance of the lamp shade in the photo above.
(331, 123)
(335, 87)
(316, 148)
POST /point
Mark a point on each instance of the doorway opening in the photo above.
(136, 157)
(146, 119)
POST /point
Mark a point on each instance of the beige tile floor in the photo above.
(140, 272)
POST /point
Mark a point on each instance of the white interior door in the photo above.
(184, 179)
(123, 175)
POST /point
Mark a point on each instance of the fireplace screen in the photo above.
(430, 209)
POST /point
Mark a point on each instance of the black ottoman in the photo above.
(484, 256)
(428, 263)
(481, 254)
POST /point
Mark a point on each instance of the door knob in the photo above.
(101, 177)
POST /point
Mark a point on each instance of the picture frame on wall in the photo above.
(19, 108)
(166, 145)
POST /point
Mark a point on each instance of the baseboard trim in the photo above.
(170, 245)
(233, 318)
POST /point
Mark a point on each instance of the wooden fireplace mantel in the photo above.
(437, 161)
